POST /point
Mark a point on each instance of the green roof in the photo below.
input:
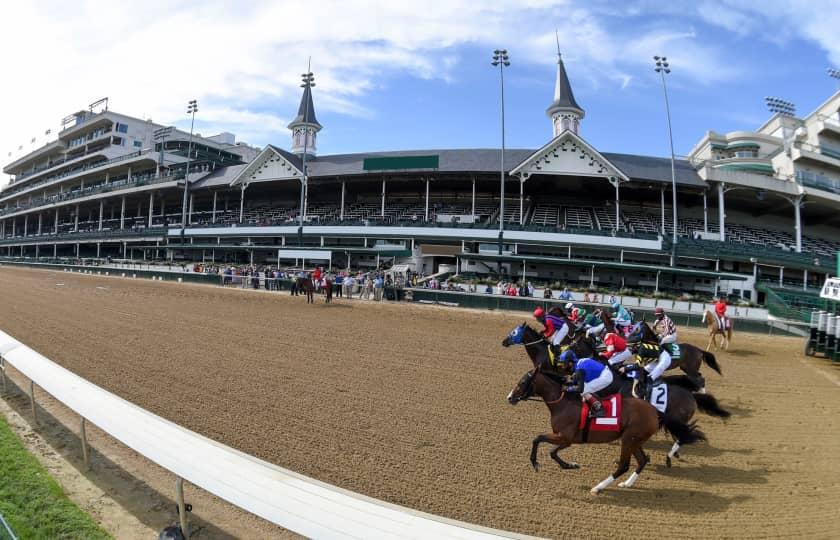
(398, 163)
(755, 167)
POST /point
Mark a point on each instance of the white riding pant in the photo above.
(655, 370)
(721, 322)
(558, 335)
(620, 357)
(667, 340)
(595, 330)
(602, 381)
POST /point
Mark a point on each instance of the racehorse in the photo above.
(683, 398)
(690, 359)
(305, 284)
(639, 421)
(711, 322)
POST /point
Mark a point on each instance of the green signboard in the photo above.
(400, 163)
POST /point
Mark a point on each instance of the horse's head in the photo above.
(521, 335)
(523, 389)
(639, 331)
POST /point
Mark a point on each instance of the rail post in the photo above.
(83, 437)
(3, 372)
(32, 400)
(182, 510)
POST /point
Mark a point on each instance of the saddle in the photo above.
(673, 349)
(647, 352)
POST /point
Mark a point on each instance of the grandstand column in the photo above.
(122, 213)
(383, 197)
(592, 276)
(781, 276)
(77, 249)
(341, 211)
(190, 211)
(40, 222)
(805, 280)
(37, 251)
(797, 212)
(76, 220)
(129, 174)
(55, 251)
(616, 181)
(662, 207)
(98, 249)
(215, 196)
(721, 212)
(705, 213)
(656, 287)
(473, 198)
(107, 177)
(101, 212)
(242, 204)
(3, 229)
(521, 201)
(427, 200)
(26, 225)
(151, 206)
(56, 221)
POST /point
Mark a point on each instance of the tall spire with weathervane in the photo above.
(305, 126)
(564, 111)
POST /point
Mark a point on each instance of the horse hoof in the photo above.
(668, 462)
(677, 455)
(536, 466)
(595, 491)
(574, 466)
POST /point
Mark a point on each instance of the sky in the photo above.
(416, 75)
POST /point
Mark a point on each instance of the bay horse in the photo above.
(639, 421)
(691, 357)
(305, 284)
(711, 322)
(684, 396)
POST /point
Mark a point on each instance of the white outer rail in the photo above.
(285, 498)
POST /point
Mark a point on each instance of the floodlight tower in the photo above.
(783, 108)
(192, 108)
(501, 59)
(662, 67)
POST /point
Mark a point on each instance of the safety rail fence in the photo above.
(285, 498)
(789, 304)
(6, 532)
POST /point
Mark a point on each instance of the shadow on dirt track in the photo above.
(673, 501)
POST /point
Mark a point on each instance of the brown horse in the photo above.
(690, 359)
(305, 284)
(639, 421)
(711, 322)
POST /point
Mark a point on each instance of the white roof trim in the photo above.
(269, 164)
(531, 164)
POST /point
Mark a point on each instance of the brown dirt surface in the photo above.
(406, 403)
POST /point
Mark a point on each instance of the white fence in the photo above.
(283, 497)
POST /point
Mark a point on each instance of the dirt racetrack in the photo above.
(406, 403)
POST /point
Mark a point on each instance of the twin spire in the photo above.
(305, 126)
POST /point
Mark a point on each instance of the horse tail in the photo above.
(683, 381)
(684, 433)
(709, 405)
(710, 360)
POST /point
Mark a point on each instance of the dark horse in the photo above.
(690, 359)
(639, 422)
(305, 284)
(683, 400)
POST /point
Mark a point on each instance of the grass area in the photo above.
(32, 501)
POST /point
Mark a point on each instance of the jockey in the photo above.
(621, 317)
(720, 312)
(653, 369)
(590, 376)
(617, 351)
(593, 324)
(664, 327)
(555, 328)
(576, 314)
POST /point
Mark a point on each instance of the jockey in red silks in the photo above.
(720, 312)
(617, 351)
(555, 328)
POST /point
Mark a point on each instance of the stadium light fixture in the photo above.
(780, 106)
(192, 108)
(502, 60)
(834, 74)
(160, 135)
(307, 82)
(662, 67)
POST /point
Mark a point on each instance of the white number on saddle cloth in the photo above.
(610, 417)
(659, 397)
(675, 351)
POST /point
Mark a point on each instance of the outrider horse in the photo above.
(639, 421)
(690, 359)
(305, 284)
(711, 322)
(683, 398)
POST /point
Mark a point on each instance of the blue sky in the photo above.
(397, 75)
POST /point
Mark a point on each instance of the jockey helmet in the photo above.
(569, 306)
(659, 312)
(539, 313)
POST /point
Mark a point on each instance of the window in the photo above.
(122, 128)
(117, 141)
(138, 144)
(746, 153)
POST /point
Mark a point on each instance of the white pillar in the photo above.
(721, 212)
(521, 201)
(122, 213)
(617, 206)
(592, 276)
(101, 212)
(705, 213)
(242, 204)
(107, 177)
(656, 290)
(473, 198)
(151, 206)
(190, 211)
(662, 207)
(797, 211)
(343, 194)
(383, 197)
(56, 221)
(26, 225)
(129, 174)
(215, 196)
(40, 222)
(76, 223)
(804, 280)
(427, 200)
(781, 276)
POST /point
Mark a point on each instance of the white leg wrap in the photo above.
(674, 450)
(630, 481)
(603, 485)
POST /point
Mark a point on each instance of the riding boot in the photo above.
(555, 353)
(596, 410)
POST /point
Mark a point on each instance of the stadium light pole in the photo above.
(501, 59)
(308, 81)
(160, 135)
(662, 68)
(784, 108)
(192, 108)
(834, 74)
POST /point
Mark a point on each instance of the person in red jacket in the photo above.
(617, 351)
(720, 312)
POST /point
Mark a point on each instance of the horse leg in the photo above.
(711, 338)
(551, 438)
(623, 466)
(559, 460)
(673, 453)
(642, 459)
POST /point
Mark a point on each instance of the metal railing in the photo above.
(819, 181)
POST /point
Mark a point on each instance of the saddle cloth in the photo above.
(674, 350)
(659, 397)
(611, 421)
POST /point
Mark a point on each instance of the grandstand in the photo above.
(108, 187)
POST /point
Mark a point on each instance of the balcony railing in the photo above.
(136, 181)
(819, 181)
(134, 232)
(77, 170)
